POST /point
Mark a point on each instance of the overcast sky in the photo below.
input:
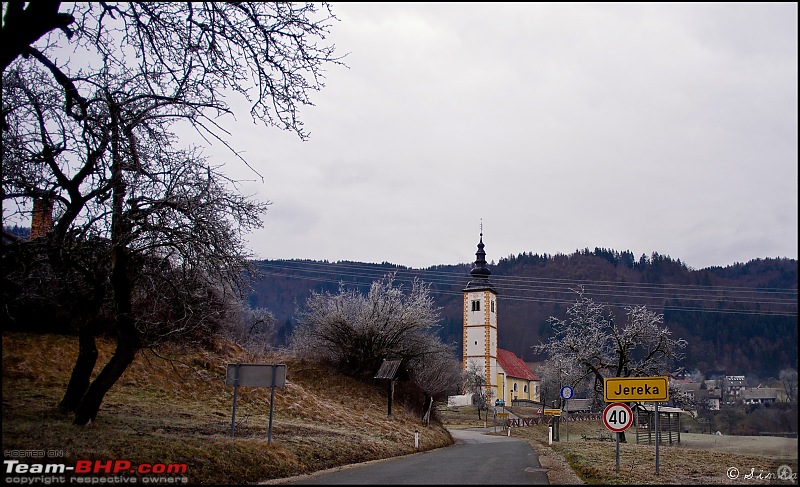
(644, 127)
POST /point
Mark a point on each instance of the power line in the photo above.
(383, 269)
(547, 290)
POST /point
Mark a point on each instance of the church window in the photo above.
(476, 305)
(492, 306)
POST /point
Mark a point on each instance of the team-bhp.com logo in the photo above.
(94, 472)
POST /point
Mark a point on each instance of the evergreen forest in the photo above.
(740, 319)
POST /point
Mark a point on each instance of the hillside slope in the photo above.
(173, 407)
(741, 318)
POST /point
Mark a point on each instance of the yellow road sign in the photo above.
(502, 415)
(552, 412)
(636, 389)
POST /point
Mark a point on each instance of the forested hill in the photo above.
(741, 318)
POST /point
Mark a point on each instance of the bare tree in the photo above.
(253, 329)
(94, 139)
(198, 54)
(264, 51)
(729, 418)
(475, 383)
(157, 217)
(681, 398)
(590, 339)
(788, 378)
(436, 373)
(555, 373)
(357, 332)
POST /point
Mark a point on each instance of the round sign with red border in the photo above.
(617, 417)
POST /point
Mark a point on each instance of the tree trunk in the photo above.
(128, 340)
(426, 418)
(123, 356)
(81, 372)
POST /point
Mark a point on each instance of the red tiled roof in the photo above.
(513, 365)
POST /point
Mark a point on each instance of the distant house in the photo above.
(759, 395)
(711, 394)
(689, 388)
(516, 380)
(679, 374)
(734, 386)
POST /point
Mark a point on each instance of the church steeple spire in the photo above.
(480, 269)
(480, 273)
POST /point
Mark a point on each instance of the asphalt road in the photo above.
(475, 459)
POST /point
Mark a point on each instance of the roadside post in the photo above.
(393, 370)
(255, 375)
(566, 395)
(554, 423)
(617, 417)
(636, 389)
(503, 421)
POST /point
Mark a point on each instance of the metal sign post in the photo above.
(637, 389)
(566, 395)
(658, 439)
(271, 405)
(255, 375)
(617, 417)
(235, 393)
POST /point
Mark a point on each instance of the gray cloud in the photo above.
(642, 127)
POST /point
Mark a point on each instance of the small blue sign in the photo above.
(566, 392)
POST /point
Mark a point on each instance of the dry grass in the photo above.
(700, 459)
(175, 408)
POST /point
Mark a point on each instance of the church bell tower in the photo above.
(480, 323)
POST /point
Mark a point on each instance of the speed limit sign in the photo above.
(617, 417)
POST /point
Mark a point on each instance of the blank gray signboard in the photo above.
(256, 375)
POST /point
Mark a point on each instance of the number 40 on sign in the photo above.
(618, 417)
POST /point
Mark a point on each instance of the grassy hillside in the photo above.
(174, 407)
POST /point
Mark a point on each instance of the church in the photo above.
(507, 376)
